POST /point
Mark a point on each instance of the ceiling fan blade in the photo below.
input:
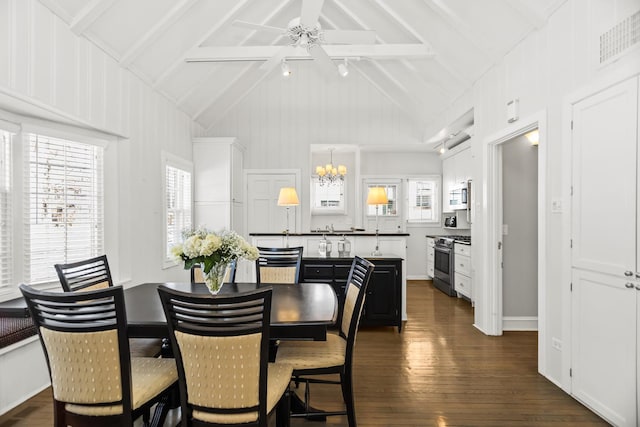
(325, 61)
(349, 37)
(259, 27)
(276, 59)
(310, 12)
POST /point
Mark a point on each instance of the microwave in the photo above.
(459, 197)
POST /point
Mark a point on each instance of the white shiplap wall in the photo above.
(48, 72)
(541, 71)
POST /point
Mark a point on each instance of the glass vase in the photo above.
(215, 278)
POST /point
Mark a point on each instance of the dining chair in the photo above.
(220, 344)
(85, 275)
(198, 277)
(335, 355)
(94, 273)
(278, 265)
(95, 381)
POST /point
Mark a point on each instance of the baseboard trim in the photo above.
(520, 323)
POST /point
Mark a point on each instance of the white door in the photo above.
(263, 213)
(604, 345)
(603, 255)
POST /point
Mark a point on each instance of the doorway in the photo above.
(520, 233)
(489, 302)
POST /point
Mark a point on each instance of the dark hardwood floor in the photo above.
(440, 371)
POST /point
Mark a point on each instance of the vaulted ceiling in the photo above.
(427, 53)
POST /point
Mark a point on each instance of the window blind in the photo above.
(421, 200)
(178, 205)
(6, 259)
(63, 204)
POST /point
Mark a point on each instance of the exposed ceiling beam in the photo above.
(152, 35)
(412, 69)
(405, 103)
(219, 24)
(422, 39)
(275, 11)
(459, 26)
(262, 53)
(237, 91)
(89, 14)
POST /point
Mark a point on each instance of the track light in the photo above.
(286, 71)
(343, 69)
(443, 149)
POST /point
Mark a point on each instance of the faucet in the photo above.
(329, 228)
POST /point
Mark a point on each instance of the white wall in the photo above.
(520, 241)
(541, 71)
(281, 118)
(46, 71)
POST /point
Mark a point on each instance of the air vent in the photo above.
(620, 38)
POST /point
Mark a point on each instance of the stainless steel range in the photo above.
(444, 263)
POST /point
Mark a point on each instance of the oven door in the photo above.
(442, 263)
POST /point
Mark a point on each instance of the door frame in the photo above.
(489, 315)
(296, 172)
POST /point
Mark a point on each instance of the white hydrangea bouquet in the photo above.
(213, 251)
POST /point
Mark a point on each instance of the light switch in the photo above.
(556, 205)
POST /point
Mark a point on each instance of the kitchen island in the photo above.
(392, 245)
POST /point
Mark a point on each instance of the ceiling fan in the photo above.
(304, 32)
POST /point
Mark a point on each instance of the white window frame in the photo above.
(436, 197)
(369, 211)
(333, 210)
(96, 195)
(7, 190)
(173, 161)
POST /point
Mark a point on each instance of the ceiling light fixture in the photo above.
(533, 137)
(343, 69)
(443, 148)
(286, 71)
(328, 174)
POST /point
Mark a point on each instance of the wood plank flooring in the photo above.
(440, 371)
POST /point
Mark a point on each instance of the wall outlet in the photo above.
(556, 343)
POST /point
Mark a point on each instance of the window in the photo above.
(6, 259)
(177, 210)
(327, 198)
(391, 208)
(63, 214)
(422, 200)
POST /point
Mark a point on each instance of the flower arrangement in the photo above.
(213, 251)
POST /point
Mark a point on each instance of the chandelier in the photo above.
(330, 174)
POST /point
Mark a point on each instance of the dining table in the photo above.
(298, 311)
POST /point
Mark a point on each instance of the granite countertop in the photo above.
(334, 255)
(335, 233)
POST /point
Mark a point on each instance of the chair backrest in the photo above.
(198, 277)
(278, 265)
(84, 338)
(86, 275)
(220, 344)
(354, 297)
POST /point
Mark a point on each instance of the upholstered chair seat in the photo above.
(335, 355)
(95, 381)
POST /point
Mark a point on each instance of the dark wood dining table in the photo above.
(298, 311)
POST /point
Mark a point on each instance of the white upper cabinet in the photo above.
(456, 171)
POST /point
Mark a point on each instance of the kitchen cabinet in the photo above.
(462, 270)
(605, 260)
(456, 171)
(218, 183)
(430, 256)
(383, 303)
